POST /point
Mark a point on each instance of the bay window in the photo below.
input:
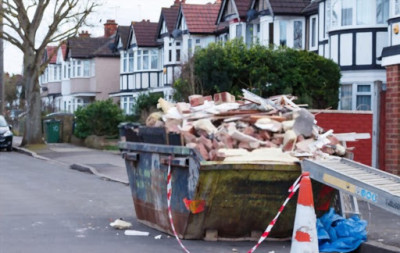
(340, 13)
(147, 59)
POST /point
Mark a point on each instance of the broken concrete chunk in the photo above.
(304, 123)
(340, 150)
(268, 124)
(287, 125)
(304, 146)
(289, 140)
(164, 105)
(183, 108)
(153, 118)
(205, 125)
(120, 224)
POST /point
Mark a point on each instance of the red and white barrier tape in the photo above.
(169, 194)
(292, 191)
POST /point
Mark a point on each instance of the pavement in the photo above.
(383, 227)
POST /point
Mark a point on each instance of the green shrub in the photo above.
(99, 118)
(145, 104)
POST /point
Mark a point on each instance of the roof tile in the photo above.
(145, 33)
(201, 18)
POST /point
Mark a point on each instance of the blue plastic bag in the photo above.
(336, 233)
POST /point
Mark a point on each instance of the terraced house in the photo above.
(84, 70)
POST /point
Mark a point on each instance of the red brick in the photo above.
(196, 100)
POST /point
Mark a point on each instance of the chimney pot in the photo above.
(110, 28)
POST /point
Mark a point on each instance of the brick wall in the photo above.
(392, 117)
(348, 122)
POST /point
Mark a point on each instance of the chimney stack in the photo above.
(110, 28)
(84, 34)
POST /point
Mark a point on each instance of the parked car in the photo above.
(6, 135)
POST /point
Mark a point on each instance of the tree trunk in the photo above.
(33, 124)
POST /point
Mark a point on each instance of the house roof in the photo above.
(201, 18)
(243, 6)
(145, 33)
(87, 47)
(286, 7)
(51, 52)
(170, 16)
(311, 8)
(123, 34)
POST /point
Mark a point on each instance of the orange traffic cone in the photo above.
(305, 224)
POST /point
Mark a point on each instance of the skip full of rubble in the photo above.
(253, 129)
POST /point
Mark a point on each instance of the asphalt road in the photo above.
(46, 207)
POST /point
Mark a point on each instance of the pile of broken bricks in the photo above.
(253, 128)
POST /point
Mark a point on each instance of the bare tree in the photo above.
(24, 21)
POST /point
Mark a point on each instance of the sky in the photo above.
(123, 11)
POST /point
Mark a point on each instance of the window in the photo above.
(364, 12)
(313, 29)
(69, 69)
(131, 57)
(178, 55)
(139, 60)
(356, 97)
(190, 46)
(79, 68)
(145, 59)
(239, 31)
(346, 97)
(73, 68)
(335, 13)
(327, 16)
(197, 41)
(282, 33)
(382, 11)
(65, 70)
(363, 98)
(125, 67)
(170, 55)
(86, 68)
(298, 34)
(154, 59)
(249, 34)
(55, 73)
(347, 12)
